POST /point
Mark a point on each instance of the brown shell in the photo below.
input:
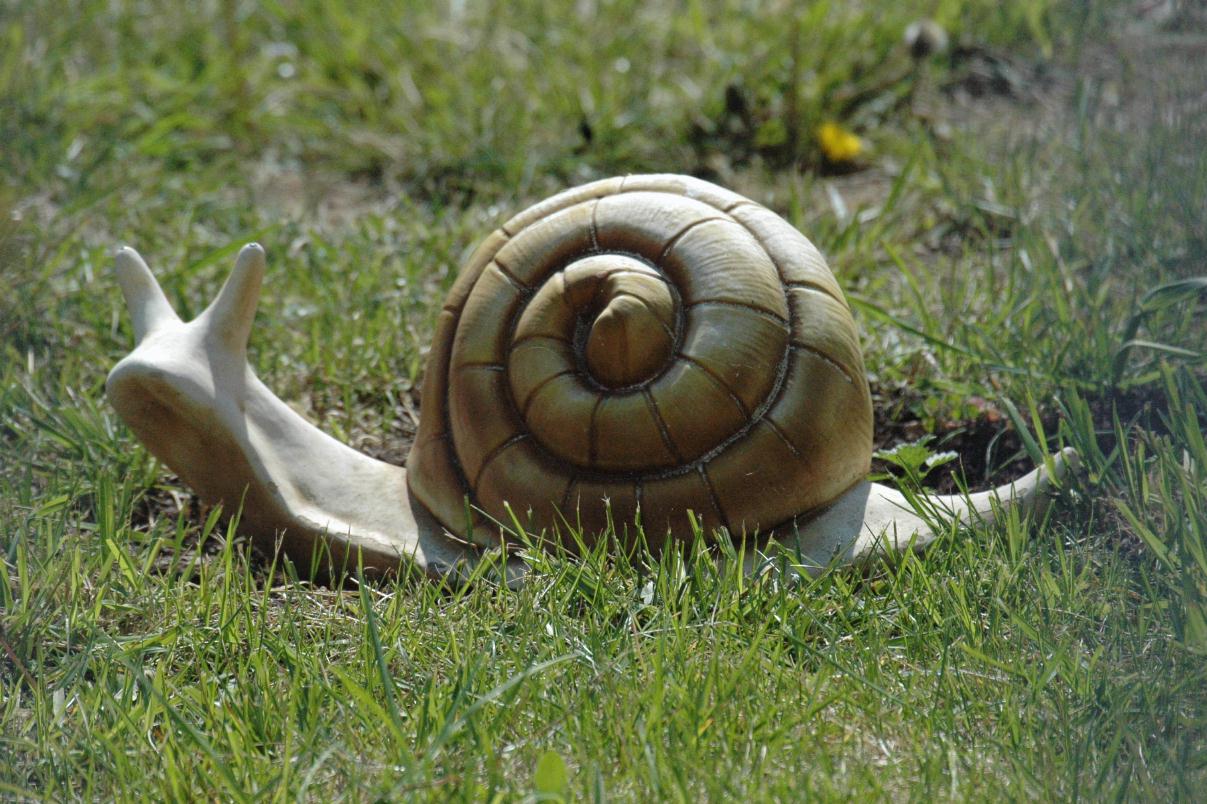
(752, 410)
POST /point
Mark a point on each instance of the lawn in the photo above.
(1020, 228)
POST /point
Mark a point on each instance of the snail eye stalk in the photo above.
(231, 314)
(149, 308)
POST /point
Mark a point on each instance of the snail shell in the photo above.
(656, 344)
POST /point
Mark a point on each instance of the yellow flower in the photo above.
(837, 143)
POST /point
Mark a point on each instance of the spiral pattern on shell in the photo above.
(655, 343)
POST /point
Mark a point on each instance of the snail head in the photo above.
(185, 385)
(189, 394)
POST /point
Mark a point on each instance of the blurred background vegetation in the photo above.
(448, 97)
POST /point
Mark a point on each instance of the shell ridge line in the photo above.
(737, 402)
(822, 356)
(520, 287)
(471, 488)
(593, 433)
(784, 283)
(777, 389)
(456, 308)
(630, 475)
(646, 304)
(450, 447)
(767, 314)
(755, 416)
(510, 337)
(716, 501)
(661, 424)
(623, 190)
(682, 192)
(587, 473)
(676, 335)
(482, 366)
(674, 239)
(719, 381)
(852, 373)
(441, 436)
(775, 428)
(495, 453)
(779, 269)
(536, 391)
(538, 336)
(581, 255)
(571, 479)
(465, 489)
(608, 273)
(814, 287)
(680, 323)
(595, 224)
(561, 294)
(781, 374)
(568, 495)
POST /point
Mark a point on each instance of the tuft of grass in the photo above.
(1027, 268)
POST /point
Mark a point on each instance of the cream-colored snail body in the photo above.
(629, 351)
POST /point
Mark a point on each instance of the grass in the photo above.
(1026, 270)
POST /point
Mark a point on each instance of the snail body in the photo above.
(651, 350)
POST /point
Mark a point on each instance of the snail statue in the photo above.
(641, 349)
